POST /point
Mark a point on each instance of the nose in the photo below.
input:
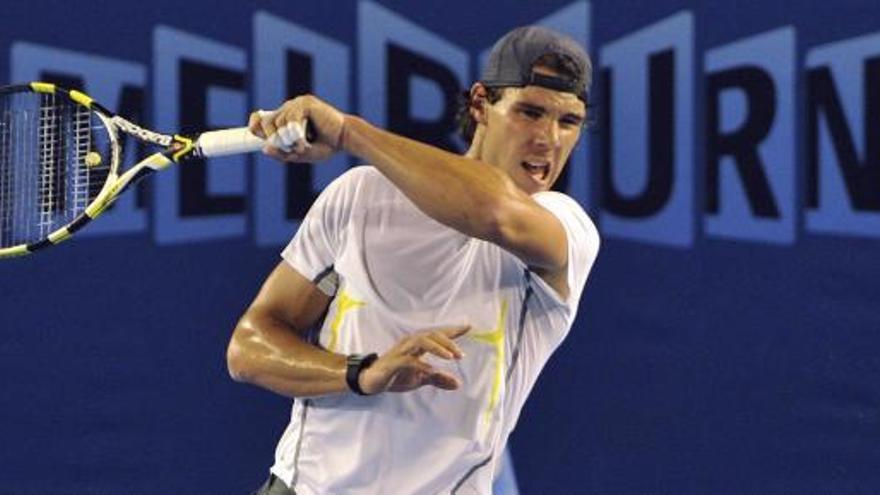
(548, 133)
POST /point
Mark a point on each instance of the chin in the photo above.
(531, 188)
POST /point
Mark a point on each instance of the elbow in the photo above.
(237, 354)
(233, 364)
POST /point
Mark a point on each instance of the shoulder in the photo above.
(558, 200)
(363, 174)
(361, 178)
(583, 240)
(355, 184)
(572, 215)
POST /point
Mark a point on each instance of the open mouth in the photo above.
(536, 169)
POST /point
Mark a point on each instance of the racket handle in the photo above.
(228, 142)
(240, 140)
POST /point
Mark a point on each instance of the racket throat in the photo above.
(183, 148)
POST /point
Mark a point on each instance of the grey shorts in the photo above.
(274, 486)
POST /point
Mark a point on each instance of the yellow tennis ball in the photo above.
(93, 159)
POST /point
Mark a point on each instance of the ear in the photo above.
(479, 103)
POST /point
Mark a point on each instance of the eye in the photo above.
(571, 122)
(530, 113)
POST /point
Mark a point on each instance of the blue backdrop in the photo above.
(728, 338)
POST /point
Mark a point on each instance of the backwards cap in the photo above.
(513, 57)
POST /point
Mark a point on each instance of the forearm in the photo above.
(265, 352)
(454, 190)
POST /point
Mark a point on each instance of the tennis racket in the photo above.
(60, 161)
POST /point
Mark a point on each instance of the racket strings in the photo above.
(51, 182)
(83, 186)
(46, 177)
(12, 190)
(6, 176)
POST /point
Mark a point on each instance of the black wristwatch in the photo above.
(354, 365)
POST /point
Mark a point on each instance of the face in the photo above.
(530, 133)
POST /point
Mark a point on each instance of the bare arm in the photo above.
(467, 195)
(268, 347)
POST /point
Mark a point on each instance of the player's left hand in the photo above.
(327, 122)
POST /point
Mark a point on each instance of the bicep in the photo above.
(289, 297)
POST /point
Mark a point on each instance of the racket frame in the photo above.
(177, 148)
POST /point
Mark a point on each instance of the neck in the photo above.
(475, 151)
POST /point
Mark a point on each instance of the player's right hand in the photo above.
(402, 369)
(285, 144)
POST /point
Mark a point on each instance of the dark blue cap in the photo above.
(513, 58)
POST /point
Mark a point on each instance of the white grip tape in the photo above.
(285, 137)
(240, 140)
(229, 142)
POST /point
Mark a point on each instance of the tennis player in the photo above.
(438, 285)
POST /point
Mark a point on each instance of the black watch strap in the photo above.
(354, 365)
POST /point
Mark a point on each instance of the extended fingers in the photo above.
(432, 376)
(446, 343)
(444, 380)
(455, 332)
(421, 344)
(433, 342)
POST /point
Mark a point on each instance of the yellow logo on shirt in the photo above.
(495, 338)
(346, 303)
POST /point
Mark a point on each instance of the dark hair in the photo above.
(466, 123)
